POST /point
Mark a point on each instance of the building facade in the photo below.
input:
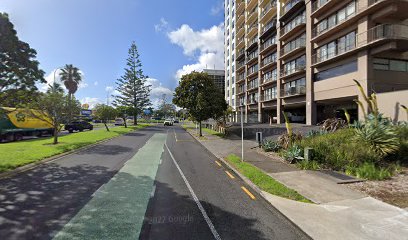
(218, 76)
(301, 57)
(229, 54)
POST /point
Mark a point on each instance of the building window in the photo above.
(390, 65)
(336, 71)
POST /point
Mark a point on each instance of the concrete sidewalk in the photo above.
(339, 212)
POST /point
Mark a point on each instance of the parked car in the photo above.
(168, 122)
(119, 122)
(176, 120)
(78, 126)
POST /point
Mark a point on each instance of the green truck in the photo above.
(17, 123)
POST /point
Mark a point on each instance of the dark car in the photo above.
(78, 126)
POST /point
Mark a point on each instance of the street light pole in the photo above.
(242, 134)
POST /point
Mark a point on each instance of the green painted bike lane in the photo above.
(118, 208)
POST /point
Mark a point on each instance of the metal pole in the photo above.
(242, 135)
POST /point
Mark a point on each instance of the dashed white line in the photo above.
(207, 219)
(153, 191)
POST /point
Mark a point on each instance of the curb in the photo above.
(33, 165)
(250, 184)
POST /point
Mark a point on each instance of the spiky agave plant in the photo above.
(287, 124)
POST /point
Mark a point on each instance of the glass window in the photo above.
(331, 49)
(350, 41)
(396, 65)
(336, 71)
(351, 8)
(331, 21)
(341, 15)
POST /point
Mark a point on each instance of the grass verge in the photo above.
(17, 154)
(212, 132)
(263, 181)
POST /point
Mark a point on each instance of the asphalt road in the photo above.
(156, 183)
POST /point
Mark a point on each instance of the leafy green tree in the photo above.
(105, 113)
(53, 107)
(133, 90)
(19, 69)
(123, 112)
(71, 77)
(199, 95)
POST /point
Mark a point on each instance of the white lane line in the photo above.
(93, 194)
(161, 160)
(153, 191)
(207, 219)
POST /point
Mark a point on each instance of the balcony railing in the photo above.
(268, 97)
(253, 26)
(293, 91)
(299, 20)
(252, 56)
(269, 78)
(378, 33)
(269, 25)
(252, 14)
(271, 41)
(241, 77)
(253, 84)
(240, 64)
(296, 69)
(289, 5)
(318, 4)
(253, 100)
(267, 8)
(252, 41)
(269, 59)
(293, 45)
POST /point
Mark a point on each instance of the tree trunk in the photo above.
(55, 135)
(124, 120)
(201, 131)
(135, 119)
(106, 126)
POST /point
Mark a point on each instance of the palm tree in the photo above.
(71, 77)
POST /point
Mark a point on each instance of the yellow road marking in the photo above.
(248, 193)
(229, 175)
(219, 164)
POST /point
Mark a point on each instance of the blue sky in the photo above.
(173, 37)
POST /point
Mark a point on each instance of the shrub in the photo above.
(270, 146)
(370, 171)
(294, 152)
(333, 124)
(285, 140)
(336, 150)
(308, 165)
(379, 134)
(314, 133)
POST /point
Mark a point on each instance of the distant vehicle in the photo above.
(119, 122)
(168, 122)
(78, 126)
(176, 120)
(17, 123)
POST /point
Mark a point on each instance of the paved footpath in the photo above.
(340, 213)
(156, 183)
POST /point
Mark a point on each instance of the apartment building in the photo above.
(218, 76)
(229, 53)
(301, 56)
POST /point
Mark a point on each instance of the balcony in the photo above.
(268, 97)
(240, 6)
(289, 72)
(240, 54)
(269, 79)
(252, 43)
(316, 5)
(252, 16)
(241, 30)
(268, 44)
(240, 78)
(293, 47)
(293, 91)
(270, 25)
(240, 42)
(240, 65)
(269, 60)
(253, 84)
(267, 10)
(252, 100)
(241, 89)
(293, 26)
(251, 3)
(253, 29)
(240, 18)
(290, 7)
(376, 35)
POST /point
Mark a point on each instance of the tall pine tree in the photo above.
(132, 88)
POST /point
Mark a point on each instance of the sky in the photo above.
(174, 37)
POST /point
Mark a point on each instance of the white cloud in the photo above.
(96, 83)
(157, 91)
(162, 26)
(206, 46)
(217, 9)
(109, 89)
(91, 101)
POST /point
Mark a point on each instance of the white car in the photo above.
(119, 122)
(168, 122)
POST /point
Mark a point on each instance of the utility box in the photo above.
(259, 138)
(308, 153)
